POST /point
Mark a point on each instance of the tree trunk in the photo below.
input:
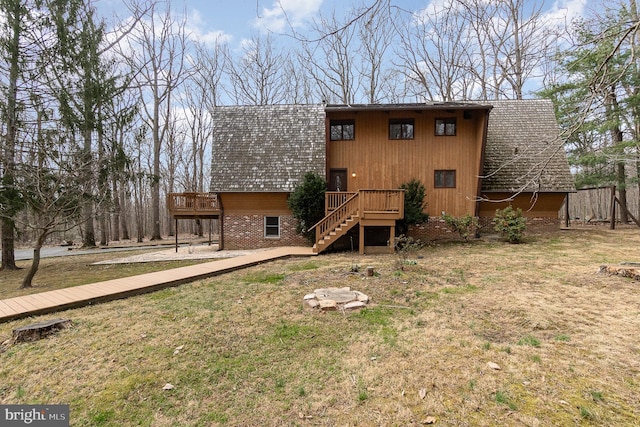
(8, 241)
(622, 192)
(124, 227)
(14, 18)
(35, 263)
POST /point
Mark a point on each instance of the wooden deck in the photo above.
(193, 205)
(78, 296)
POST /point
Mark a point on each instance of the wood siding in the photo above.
(381, 163)
(540, 205)
(252, 203)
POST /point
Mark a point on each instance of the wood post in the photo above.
(612, 212)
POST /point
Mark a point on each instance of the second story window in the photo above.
(401, 129)
(343, 130)
(444, 179)
(446, 127)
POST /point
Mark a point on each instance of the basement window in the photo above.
(446, 127)
(401, 128)
(444, 179)
(343, 130)
(272, 226)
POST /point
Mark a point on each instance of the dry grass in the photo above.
(564, 337)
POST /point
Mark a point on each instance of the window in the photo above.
(343, 130)
(446, 127)
(401, 129)
(445, 179)
(271, 226)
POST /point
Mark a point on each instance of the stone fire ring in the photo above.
(328, 299)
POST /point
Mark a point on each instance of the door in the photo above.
(337, 180)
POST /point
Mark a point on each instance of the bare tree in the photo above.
(433, 51)
(376, 34)
(330, 59)
(156, 51)
(257, 77)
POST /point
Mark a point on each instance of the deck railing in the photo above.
(382, 201)
(193, 203)
(333, 199)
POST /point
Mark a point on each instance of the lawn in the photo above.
(242, 350)
(80, 269)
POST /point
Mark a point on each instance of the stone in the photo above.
(309, 296)
(354, 305)
(339, 295)
(494, 366)
(312, 303)
(361, 297)
(328, 305)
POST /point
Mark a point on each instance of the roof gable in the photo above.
(266, 148)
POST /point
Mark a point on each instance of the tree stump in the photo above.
(40, 330)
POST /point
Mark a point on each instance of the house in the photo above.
(472, 157)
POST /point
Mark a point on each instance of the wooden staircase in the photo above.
(337, 223)
(366, 207)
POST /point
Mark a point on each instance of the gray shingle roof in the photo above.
(524, 151)
(266, 148)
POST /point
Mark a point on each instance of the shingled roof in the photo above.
(266, 148)
(524, 151)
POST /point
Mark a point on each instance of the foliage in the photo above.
(464, 225)
(414, 205)
(405, 246)
(597, 103)
(510, 224)
(307, 203)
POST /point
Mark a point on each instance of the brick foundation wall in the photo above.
(247, 232)
(436, 228)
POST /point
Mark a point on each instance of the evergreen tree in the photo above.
(307, 203)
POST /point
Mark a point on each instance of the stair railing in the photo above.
(336, 217)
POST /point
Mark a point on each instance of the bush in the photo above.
(307, 203)
(464, 225)
(414, 205)
(510, 224)
(406, 246)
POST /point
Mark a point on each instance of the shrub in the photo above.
(414, 205)
(464, 225)
(510, 224)
(406, 246)
(307, 203)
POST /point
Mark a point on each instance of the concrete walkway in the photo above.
(78, 296)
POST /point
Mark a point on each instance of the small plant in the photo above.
(510, 224)
(529, 340)
(597, 396)
(503, 398)
(465, 225)
(562, 337)
(406, 246)
(585, 413)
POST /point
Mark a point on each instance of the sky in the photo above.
(236, 20)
